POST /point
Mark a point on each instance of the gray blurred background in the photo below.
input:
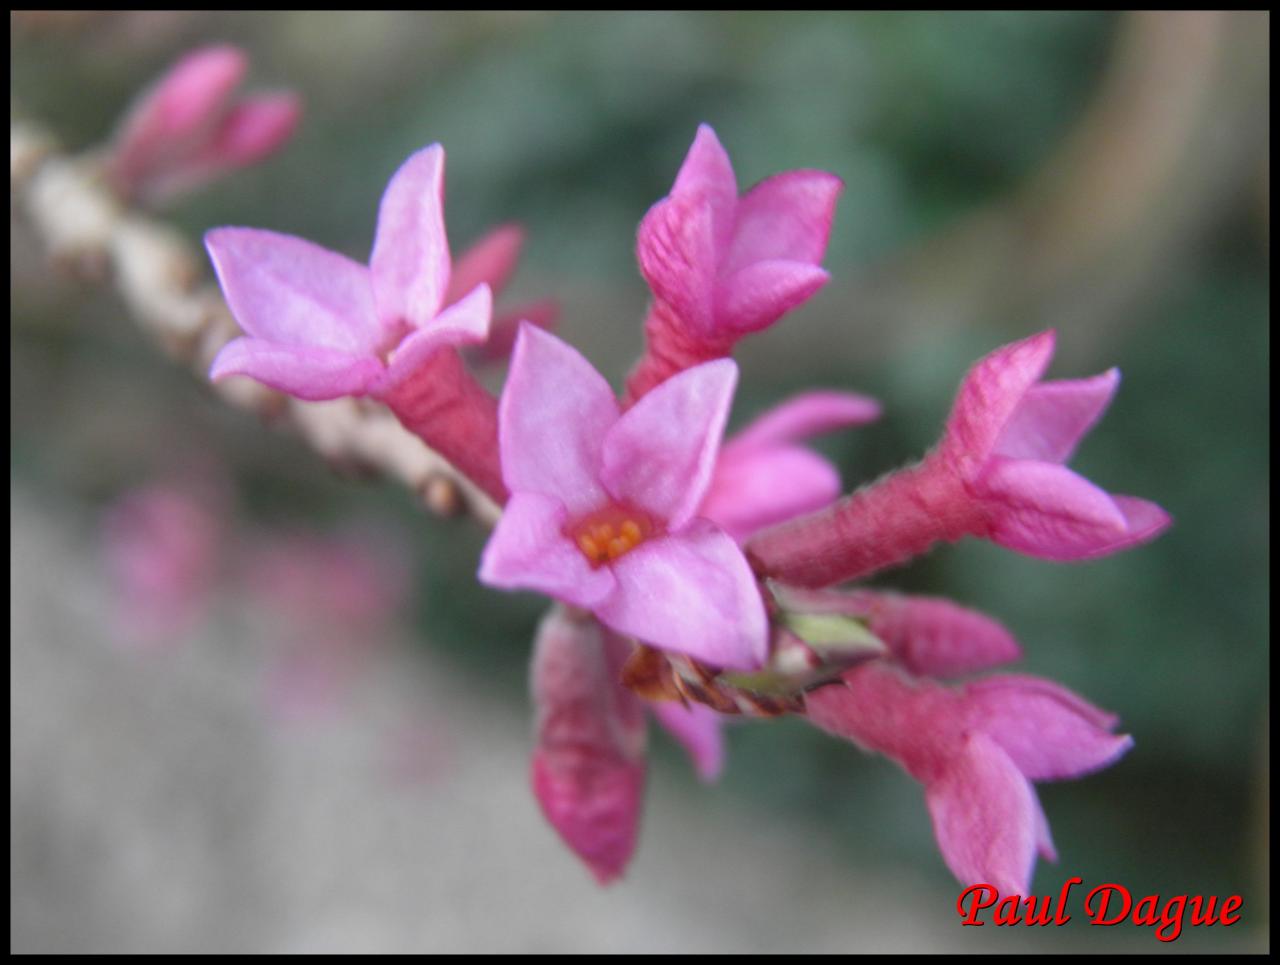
(1105, 174)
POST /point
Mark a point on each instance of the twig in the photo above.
(157, 273)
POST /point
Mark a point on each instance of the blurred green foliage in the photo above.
(573, 125)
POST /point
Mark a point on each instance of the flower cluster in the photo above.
(696, 578)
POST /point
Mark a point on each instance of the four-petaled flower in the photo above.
(976, 751)
(603, 504)
(730, 265)
(320, 325)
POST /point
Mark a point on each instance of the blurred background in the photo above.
(323, 745)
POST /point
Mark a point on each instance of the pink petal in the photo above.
(675, 247)
(1144, 521)
(464, 323)
(786, 217)
(928, 635)
(758, 486)
(989, 396)
(692, 593)
(552, 420)
(1027, 684)
(660, 455)
(1044, 839)
(491, 261)
(172, 116)
(1046, 510)
(410, 261)
(1054, 417)
(986, 818)
(698, 729)
(1047, 737)
(528, 550)
(303, 371)
(588, 766)
(758, 295)
(708, 174)
(804, 415)
(287, 290)
(255, 128)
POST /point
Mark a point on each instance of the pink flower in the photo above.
(320, 325)
(1007, 439)
(762, 477)
(975, 750)
(162, 545)
(997, 474)
(186, 129)
(603, 507)
(698, 729)
(588, 766)
(731, 265)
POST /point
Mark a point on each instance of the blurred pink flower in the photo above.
(186, 129)
(335, 599)
(975, 750)
(162, 545)
(997, 474)
(588, 766)
(603, 507)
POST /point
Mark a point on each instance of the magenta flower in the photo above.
(588, 765)
(1007, 439)
(762, 477)
(731, 265)
(320, 325)
(603, 505)
(997, 474)
(187, 130)
(162, 546)
(975, 750)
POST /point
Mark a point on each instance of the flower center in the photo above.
(610, 533)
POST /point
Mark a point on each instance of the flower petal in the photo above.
(1054, 417)
(505, 327)
(288, 290)
(675, 247)
(991, 393)
(410, 261)
(660, 455)
(708, 173)
(804, 415)
(491, 260)
(985, 816)
(464, 323)
(699, 731)
(552, 421)
(1144, 521)
(528, 550)
(756, 487)
(785, 217)
(588, 766)
(1046, 735)
(306, 372)
(758, 295)
(692, 593)
(1046, 510)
